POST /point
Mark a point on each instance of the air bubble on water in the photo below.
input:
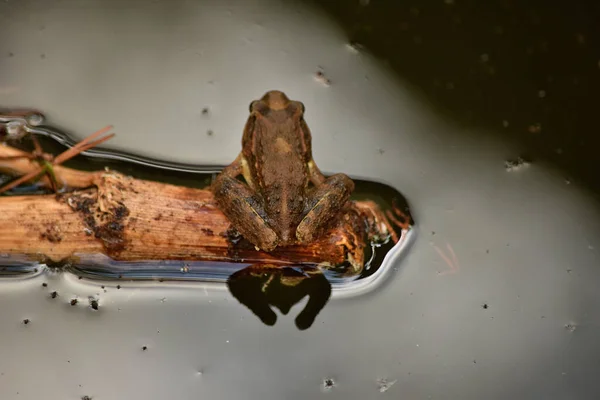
(505, 123)
(364, 3)
(541, 94)
(515, 165)
(328, 384)
(449, 2)
(484, 57)
(385, 385)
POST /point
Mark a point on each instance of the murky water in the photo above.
(493, 232)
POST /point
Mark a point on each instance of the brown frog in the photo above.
(277, 205)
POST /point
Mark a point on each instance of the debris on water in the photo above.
(321, 78)
(328, 383)
(205, 111)
(74, 302)
(54, 294)
(144, 348)
(94, 303)
(385, 385)
(571, 327)
(26, 321)
(485, 306)
(44, 284)
(516, 164)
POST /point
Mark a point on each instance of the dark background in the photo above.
(527, 70)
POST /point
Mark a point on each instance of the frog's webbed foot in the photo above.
(319, 291)
(324, 203)
(245, 211)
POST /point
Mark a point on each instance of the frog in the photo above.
(273, 193)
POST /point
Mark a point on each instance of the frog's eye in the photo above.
(302, 107)
(251, 106)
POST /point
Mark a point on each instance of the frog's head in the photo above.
(276, 100)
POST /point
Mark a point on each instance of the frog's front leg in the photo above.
(323, 204)
(243, 207)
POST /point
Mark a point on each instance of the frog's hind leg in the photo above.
(324, 204)
(245, 211)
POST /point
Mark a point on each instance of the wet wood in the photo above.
(127, 219)
(134, 220)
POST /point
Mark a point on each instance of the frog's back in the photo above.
(283, 177)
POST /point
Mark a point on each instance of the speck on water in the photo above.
(385, 385)
(328, 383)
(94, 303)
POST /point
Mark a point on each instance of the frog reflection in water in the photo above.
(259, 287)
(276, 206)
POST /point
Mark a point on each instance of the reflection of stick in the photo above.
(452, 263)
(406, 220)
(377, 220)
(454, 258)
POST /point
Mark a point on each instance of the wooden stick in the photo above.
(134, 220)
